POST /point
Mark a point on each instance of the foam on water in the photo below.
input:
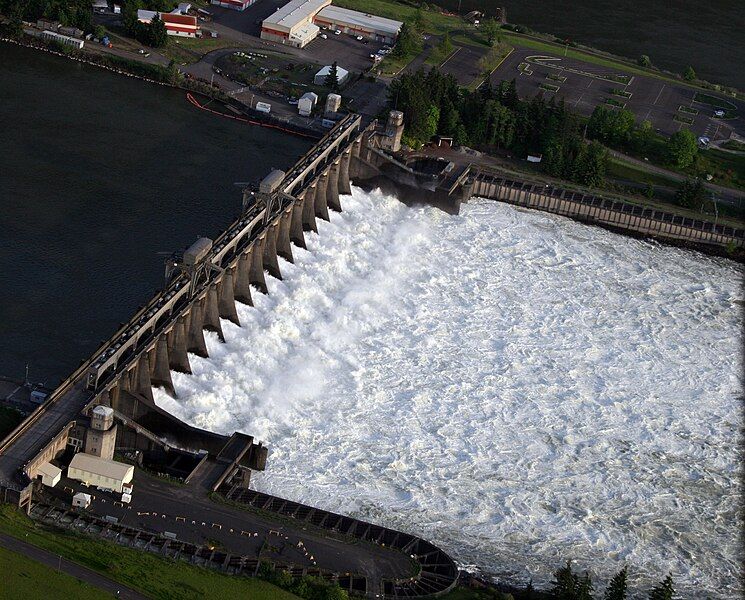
(516, 387)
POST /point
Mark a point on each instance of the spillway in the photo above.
(514, 386)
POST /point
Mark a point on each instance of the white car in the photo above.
(337, 32)
(718, 113)
(359, 38)
(324, 36)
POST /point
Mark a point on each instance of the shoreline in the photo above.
(193, 86)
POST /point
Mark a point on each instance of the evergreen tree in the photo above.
(689, 74)
(664, 590)
(644, 61)
(129, 16)
(617, 587)
(691, 194)
(564, 586)
(331, 80)
(409, 41)
(157, 34)
(584, 588)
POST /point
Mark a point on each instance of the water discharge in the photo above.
(516, 387)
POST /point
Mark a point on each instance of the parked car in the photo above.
(337, 32)
(324, 36)
(359, 38)
(718, 113)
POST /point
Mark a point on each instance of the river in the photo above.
(517, 387)
(100, 175)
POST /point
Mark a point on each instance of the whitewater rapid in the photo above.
(516, 387)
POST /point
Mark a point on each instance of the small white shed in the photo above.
(81, 500)
(307, 103)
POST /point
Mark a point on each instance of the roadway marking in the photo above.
(659, 94)
(451, 56)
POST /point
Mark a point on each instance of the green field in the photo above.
(154, 576)
(714, 101)
(34, 581)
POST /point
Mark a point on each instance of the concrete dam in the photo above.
(203, 285)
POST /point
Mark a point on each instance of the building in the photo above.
(320, 77)
(394, 129)
(357, 23)
(298, 23)
(100, 439)
(307, 103)
(51, 36)
(333, 103)
(293, 23)
(99, 472)
(175, 22)
(239, 5)
(81, 500)
(49, 474)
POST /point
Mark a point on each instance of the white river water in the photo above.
(516, 387)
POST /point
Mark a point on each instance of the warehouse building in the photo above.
(298, 23)
(100, 472)
(356, 23)
(293, 23)
(175, 22)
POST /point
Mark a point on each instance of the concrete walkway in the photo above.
(70, 568)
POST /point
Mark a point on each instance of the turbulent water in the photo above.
(516, 387)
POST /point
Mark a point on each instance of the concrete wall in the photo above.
(602, 211)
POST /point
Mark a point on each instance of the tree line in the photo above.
(70, 13)
(495, 118)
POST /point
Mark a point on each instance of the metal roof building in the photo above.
(297, 23)
(293, 23)
(103, 473)
(357, 23)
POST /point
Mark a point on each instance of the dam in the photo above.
(202, 286)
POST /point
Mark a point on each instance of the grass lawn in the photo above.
(9, 419)
(154, 576)
(35, 581)
(623, 170)
(714, 101)
(734, 145)
(190, 50)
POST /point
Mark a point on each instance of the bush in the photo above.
(644, 61)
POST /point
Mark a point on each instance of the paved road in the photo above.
(73, 569)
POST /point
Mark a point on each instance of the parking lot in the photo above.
(584, 86)
(463, 64)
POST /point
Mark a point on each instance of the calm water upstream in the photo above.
(99, 174)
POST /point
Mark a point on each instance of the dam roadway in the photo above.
(202, 287)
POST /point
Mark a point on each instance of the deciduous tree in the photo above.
(681, 149)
